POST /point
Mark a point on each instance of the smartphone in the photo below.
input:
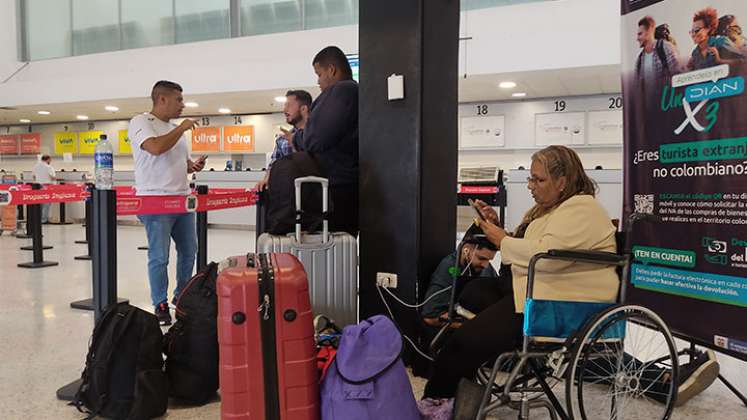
(475, 207)
(202, 158)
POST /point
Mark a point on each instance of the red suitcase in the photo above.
(266, 336)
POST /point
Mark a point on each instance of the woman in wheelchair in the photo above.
(566, 216)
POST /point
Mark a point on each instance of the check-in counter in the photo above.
(519, 199)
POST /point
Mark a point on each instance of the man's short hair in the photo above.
(163, 86)
(46, 157)
(647, 22)
(303, 97)
(475, 236)
(334, 56)
(480, 241)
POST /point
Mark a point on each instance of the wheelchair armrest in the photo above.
(591, 257)
(600, 257)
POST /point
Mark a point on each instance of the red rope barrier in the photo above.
(127, 202)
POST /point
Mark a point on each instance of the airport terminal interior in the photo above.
(464, 102)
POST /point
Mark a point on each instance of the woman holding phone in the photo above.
(566, 216)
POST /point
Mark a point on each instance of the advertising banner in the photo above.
(124, 142)
(684, 68)
(88, 141)
(9, 144)
(65, 142)
(30, 143)
(238, 139)
(206, 139)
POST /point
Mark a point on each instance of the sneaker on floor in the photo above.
(696, 376)
(163, 314)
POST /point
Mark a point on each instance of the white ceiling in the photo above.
(537, 84)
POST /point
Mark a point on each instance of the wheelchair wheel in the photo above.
(522, 382)
(623, 366)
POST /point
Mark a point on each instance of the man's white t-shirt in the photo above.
(43, 172)
(165, 174)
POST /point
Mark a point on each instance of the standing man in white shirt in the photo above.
(162, 162)
(44, 174)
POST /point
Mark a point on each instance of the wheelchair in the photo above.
(617, 361)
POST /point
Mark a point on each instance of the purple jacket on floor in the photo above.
(368, 380)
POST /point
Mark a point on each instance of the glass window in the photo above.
(326, 13)
(200, 20)
(95, 26)
(147, 23)
(483, 4)
(47, 28)
(269, 16)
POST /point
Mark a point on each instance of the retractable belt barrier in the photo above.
(127, 203)
(130, 204)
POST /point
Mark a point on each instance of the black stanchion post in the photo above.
(104, 265)
(261, 209)
(36, 237)
(97, 239)
(87, 223)
(89, 204)
(202, 232)
(104, 251)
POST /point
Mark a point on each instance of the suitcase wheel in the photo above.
(238, 318)
(289, 315)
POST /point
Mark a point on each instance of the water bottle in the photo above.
(103, 157)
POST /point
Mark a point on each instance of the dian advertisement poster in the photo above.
(684, 67)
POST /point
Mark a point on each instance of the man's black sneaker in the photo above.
(163, 314)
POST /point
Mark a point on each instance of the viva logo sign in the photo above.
(702, 94)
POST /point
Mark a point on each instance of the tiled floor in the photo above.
(43, 342)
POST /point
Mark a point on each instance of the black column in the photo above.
(408, 148)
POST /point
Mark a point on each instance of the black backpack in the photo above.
(191, 344)
(280, 199)
(123, 377)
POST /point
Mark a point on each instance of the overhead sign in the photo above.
(206, 139)
(65, 142)
(88, 141)
(30, 143)
(238, 139)
(124, 142)
(9, 144)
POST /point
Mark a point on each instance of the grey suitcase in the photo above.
(330, 261)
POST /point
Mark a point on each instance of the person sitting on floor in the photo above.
(474, 255)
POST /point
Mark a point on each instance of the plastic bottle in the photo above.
(103, 157)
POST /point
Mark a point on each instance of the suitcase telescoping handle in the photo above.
(325, 201)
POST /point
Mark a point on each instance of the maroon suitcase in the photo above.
(266, 337)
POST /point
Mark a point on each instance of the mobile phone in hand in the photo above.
(475, 207)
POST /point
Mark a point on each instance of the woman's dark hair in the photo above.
(663, 32)
(723, 24)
